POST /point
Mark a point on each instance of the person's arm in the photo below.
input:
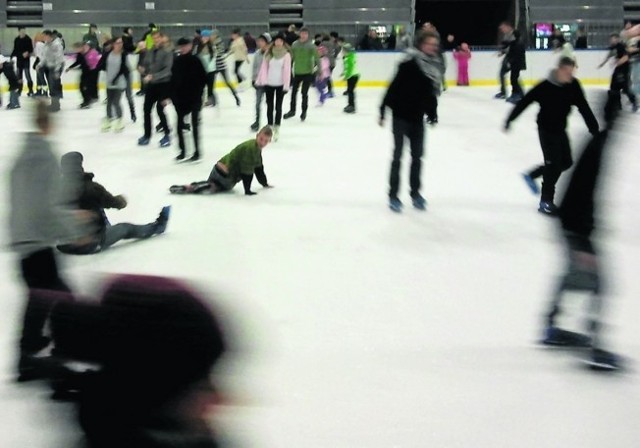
(246, 182)
(29, 48)
(261, 176)
(14, 53)
(530, 97)
(76, 63)
(165, 69)
(586, 112)
(609, 55)
(623, 60)
(106, 199)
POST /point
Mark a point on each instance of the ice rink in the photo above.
(354, 327)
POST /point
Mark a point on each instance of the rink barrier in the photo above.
(377, 69)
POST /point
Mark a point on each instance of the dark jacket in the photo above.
(81, 62)
(124, 67)
(411, 94)
(517, 54)
(188, 80)
(127, 44)
(555, 101)
(371, 44)
(20, 45)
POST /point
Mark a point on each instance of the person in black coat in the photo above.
(22, 51)
(153, 342)
(188, 79)
(517, 60)
(412, 96)
(577, 219)
(81, 192)
(622, 71)
(556, 95)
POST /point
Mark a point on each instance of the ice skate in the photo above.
(117, 125)
(163, 220)
(500, 96)
(165, 141)
(143, 141)
(106, 125)
(179, 189)
(349, 110)
(548, 208)
(419, 202)
(290, 114)
(603, 361)
(557, 337)
(255, 127)
(531, 183)
(395, 205)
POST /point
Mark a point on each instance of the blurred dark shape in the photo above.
(155, 343)
(577, 218)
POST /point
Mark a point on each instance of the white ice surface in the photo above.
(355, 327)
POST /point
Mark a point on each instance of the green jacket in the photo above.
(243, 159)
(305, 57)
(349, 59)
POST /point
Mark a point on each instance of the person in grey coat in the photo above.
(52, 65)
(37, 222)
(262, 42)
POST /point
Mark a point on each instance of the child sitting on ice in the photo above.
(240, 164)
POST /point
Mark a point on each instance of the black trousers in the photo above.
(24, 70)
(84, 88)
(14, 81)
(351, 89)
(211, 78)
(330, 82)
(414, 131)
(237, 71)
(92, 86)
(156, 94)
(306, 81)
(275, 96)
(516, 87)
(556, 150)
(54, 81)
(40, 273)
(620, 83)
(194, 111)
(222, 73)
(504, 69)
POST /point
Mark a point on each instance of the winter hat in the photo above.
(266, 37)
(206, 33)
(71, 163)
(183, 41)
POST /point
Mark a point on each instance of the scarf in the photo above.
(431, 66)
(278, 53)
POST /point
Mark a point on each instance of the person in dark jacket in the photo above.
(412, 96)
(507, 35)
(517, 59)
(153, 342)
(81, 192)
(87, 75)
(577, 218)
(188, 78)
(128, 44)
(621, 73)
(15, 84)
(556, 95)
(22, 51)
(371, 41)
(92, 37)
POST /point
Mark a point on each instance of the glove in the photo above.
(122, 202)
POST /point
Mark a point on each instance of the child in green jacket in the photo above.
(240, 164)
(350, 74)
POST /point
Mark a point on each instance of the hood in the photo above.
(71, 164)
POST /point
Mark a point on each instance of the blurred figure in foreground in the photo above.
(37, 223)
(155, 343)
(576, 214)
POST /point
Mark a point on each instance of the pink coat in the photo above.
(263, 74)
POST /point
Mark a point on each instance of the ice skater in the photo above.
(87, 60)
(412, 96)
(583, 274)
(188, 79)
(323, 74)
(15, 84)
(621, 74)
(305, 61)
(81, 192)
(350, 74)
(22, 51)
(114, 64)
(240, 164)
(556, 95)
(462, 56)
(262, 44)
(221, 67)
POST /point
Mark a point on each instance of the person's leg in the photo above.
(180, 131)
(117, 102)
(149, 100)
(552, 148)
(211, 78)
(195, 129)
(306, 84)
(297, 79)
(84, 90)
(399, 130)
(130, 101)
(163, 94)
(228, 83)
(213, 98)
(416, 142)
(110, 103)
(516, 88)
(94, 84)
(504, 69)
(239, 76)
(351, 90)
(270, 93)
(279, 92)
(126, 231)
(330, 83)
(259, 96)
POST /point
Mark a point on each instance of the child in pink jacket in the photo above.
(324, 73)
(275, 78)
(462, 55)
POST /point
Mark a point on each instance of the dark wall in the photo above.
(472, 21)
(573, 10)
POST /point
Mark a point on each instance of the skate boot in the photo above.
(276, 133)
(548, 208)
(514, 99)
(255, 127)
(162, 221)
(106, 125)
(531, 183)
(557, 337)
(419, 202)
(603, 361)
(178, 189)
(237, 101)
(290, 114)
(143, 141)
(349, 110)
(303, 115)
(180, 157)
(395, 205)
(194, 158)
(118, 125)
(500, 96)
(165, 141)
(14, 100)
